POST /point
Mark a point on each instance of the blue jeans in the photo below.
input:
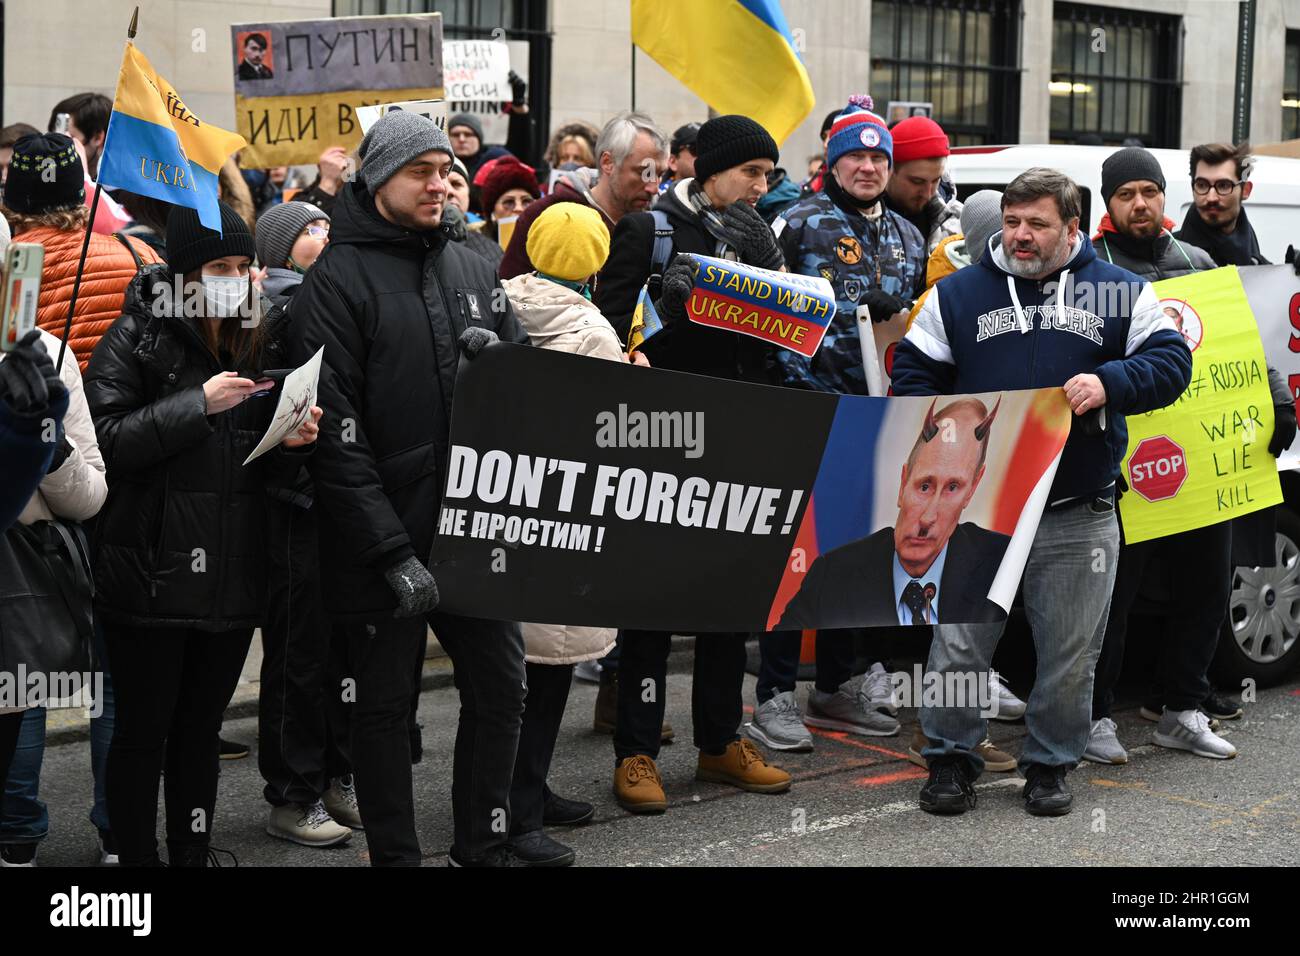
(24, 818)
(23, 815)
(1067, 588)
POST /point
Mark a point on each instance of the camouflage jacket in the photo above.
(854, 254)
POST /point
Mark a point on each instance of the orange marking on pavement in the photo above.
(912, 773)
(840, 736)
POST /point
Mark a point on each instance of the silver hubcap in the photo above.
(1265, 607)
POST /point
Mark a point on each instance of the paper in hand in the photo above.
(293, 410)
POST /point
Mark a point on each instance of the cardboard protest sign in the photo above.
(783, 308)
(299, 82)
(433, 110)
(582, 491)
(476, 80)
(293, 409)
(1204, 459)
(1274, 296)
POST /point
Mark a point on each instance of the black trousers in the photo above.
(488, 657)
(1200, 582)
(171, 686)
(779, 661)
(548, 692)
(302, 717)
(716, 706)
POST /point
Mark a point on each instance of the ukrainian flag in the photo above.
(736, 55)
(645, 321)
(158, 148)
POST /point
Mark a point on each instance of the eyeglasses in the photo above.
(1223, 187)
(317, 231)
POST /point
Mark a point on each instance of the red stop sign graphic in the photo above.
(1157, 468)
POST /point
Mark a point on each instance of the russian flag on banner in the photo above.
(156, 147)
(840, 506)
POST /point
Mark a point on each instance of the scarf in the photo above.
(710, 217)
(1236, 248)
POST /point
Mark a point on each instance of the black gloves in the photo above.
(1293, 257)
(677, 284)
(882, 305)
(61, 452)
(453, 224)
(518, 89)
(474, 339)
(1284, 428)
(751, 237)
(28, 381)
(417, 592)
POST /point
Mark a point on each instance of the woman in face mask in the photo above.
(179, 399)
(289, 239)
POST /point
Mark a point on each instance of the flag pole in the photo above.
(90, 226)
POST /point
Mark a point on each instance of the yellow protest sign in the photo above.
(1204, 459)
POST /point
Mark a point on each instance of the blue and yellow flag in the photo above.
(738, 56)
(645, 322)
(158, 148)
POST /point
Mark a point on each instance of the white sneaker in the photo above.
(341, 802)
(1190, 730)
(879, 690)
(106, 857)
(1103, 744)
(306, 825)
(1010, 707)
(587, 671)
(778, 724)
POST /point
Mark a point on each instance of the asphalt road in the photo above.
(853, 802)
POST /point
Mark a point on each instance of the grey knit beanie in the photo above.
(278, 229)
(394, 141)
(1131, 164)
(981, 217)
(470, 120)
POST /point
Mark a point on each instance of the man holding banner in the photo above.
(1134, 235)
(874, 259)
(389, 299)
(712, 214)
(1007, 323)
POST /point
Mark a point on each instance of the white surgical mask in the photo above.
(224, 294)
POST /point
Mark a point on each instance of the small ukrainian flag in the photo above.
(645, 321)
(156, 147)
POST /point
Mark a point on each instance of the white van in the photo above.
(1261, 637)
(1272, 207)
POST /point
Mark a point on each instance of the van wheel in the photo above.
(1261, 636)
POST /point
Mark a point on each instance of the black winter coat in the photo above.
(684, 346)
(388, 305)
(176, 479)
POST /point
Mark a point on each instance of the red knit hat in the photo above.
(918, 137)
(507, 173)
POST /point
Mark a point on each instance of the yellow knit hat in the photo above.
(568, 241)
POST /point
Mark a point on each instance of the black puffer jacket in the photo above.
(388, 305)
(1161, 257)
(176, 481)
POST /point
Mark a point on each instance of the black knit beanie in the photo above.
(45, 175)
(727, 141)
(1131, 164)
(190, 243)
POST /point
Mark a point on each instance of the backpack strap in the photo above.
(120, 237)
(660, 253)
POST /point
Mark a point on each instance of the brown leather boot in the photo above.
(638, 786)
(605, 718)
(995, 760)
(742, 765)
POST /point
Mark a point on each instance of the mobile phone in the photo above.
(20, 280)
(276, 375)
(62, 123)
